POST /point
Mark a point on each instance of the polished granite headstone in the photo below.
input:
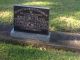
(31, 22)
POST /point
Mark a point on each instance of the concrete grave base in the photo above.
(24, 35)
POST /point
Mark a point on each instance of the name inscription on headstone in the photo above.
(31, 19)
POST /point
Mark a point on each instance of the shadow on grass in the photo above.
(58, 8)
(60, 13)
(64, 16)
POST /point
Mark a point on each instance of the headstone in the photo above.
(31, 22)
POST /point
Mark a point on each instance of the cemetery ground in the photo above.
(64, 16)
(18, 52)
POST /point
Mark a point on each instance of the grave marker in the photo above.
(31, 20)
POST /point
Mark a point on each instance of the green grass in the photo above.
(16, 52)
(64, 14)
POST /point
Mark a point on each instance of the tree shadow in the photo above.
(6, 11)
(58, 8)
(67, 9)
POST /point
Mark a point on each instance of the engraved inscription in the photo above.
(30, 19)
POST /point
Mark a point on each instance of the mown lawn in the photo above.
(64, 14)
(16, 52)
